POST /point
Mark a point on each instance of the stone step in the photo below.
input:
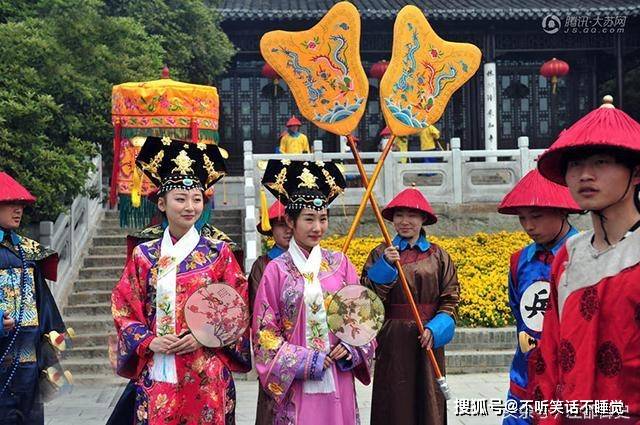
(222, 221)
(108, 250)
(90, 324)
(87, 309)
(219, 213)
(105, 260)
(110, 231)
(113, 272)
(98, 352)
(109, 240)
(93, 339)
(100, 284)
(110, 222)
(226, 222)
(110, 215)
(483, 339)
(90, 297)
(478, 361)
(94, 380)
(95, 366)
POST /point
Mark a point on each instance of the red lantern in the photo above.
(270, 73)
(165, 73)
(378, 69)
(553, 69)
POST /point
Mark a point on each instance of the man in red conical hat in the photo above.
(542, 208)
(27, 309)
(281, 234)
(404, 387)
(590, 347)
(291, 140)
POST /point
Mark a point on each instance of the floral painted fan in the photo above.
(216, 315)
(355, 315)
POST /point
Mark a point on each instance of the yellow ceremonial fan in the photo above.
(322, 68)
(423, 73)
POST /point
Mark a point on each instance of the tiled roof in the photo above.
(286, 10)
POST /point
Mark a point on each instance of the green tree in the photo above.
(189, 30)
(58, 66)
(631, 89)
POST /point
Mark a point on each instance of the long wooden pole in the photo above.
(369, 187)
(387, 238)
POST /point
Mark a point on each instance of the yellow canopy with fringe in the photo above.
(163, 107)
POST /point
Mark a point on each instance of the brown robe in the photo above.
(404, 387)
(264, 410)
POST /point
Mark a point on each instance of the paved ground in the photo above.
(92, 406)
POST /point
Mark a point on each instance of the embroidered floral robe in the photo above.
(205, 392)
(590, 347)
(282, 358)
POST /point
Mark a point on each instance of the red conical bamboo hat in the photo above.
(293, 121)
(603, 127)
(385, 132)
(533, 190)
(410, 198)
(276, 212)
(12, 191)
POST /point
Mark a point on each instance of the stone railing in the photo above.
(71, 233)
(453, 177)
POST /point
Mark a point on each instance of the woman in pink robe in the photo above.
(294, 351)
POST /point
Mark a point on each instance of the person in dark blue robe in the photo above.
(28, 311)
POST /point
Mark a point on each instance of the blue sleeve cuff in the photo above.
(317, 371)
(382, 273)
(442, 327)
(312, 369)
(346, 365)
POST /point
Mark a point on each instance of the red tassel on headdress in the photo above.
(195, 131)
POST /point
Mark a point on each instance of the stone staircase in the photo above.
(481, 350)
(88, 309)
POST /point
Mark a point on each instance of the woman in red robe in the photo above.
(176, 379)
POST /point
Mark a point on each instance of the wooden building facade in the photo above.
(600, 43)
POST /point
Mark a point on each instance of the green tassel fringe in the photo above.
(176, 133)
(137, 218)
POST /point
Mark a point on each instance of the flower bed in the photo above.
(482, 262)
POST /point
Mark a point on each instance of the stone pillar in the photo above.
(490, 109)
(456, 170)
(251, 236)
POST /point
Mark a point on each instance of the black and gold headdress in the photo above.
(304, 184)
(176, 164)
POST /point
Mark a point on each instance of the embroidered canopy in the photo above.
(159, 108)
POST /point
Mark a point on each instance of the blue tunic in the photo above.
(20, 399)
(529, 291)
